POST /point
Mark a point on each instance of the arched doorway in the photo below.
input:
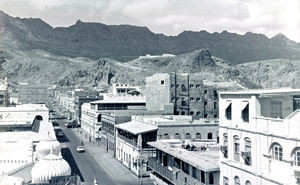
(209, 136)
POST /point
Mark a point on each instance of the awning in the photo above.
(244, 104)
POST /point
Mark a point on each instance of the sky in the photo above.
(169, 17)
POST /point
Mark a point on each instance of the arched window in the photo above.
(236, 144)
(248, 183)
(297, 157)
(188, 136)
(236, 180)
(177, 136)
(209, 136)
(198, 136)
(225, 145)
(166, 136)
(276, 151)
(99, 118)
(247, 153)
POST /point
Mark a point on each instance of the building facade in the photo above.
(184, 92)
(259, 137)
(4, 101)
(91, 114)
(184, 163)
(132, 149)
(33, 93)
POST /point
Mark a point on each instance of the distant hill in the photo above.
(38, 66)
(125, 42)
(273, 73)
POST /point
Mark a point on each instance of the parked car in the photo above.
(60, 134)
(72, 124)
(80, 148)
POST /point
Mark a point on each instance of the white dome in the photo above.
(43, 147)
(49, 166)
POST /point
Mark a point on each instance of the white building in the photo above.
(21, 129)
(185, 162)
(260, 137)
(91, 112)
(132, 149)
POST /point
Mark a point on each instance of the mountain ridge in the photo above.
(126, 42)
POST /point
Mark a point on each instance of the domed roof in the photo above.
(43, 147)
(49, 166)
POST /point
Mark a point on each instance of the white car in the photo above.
(80, 149)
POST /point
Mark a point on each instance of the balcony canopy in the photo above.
(136, 127)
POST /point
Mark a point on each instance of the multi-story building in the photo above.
(185, 93)
(33, 93)
(259, 137)
(131, 145)
(184, 163)
(3, 93)
(91, 113)
(169, 127)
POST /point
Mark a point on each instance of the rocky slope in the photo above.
(273, 73)
(38, 66)
(125, 42)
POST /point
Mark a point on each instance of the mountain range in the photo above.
(93, 55)
(125, 42)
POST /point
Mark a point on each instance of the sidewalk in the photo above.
(119, 172)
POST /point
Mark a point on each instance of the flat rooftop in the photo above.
(25, 108)
(172, 120)
(136, 128)
(207, 160)
(284, 91)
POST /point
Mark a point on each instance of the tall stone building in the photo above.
(185, 92)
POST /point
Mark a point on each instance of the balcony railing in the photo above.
(127, 140)
(155, 165)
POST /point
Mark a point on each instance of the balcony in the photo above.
(155, 165)
(132, 142)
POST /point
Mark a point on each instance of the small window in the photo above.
(177, 85)
(236, 148)
(198, 99)
(177, 136)
(192, 113)
(247, 154)
(198, 113)
(215, 106)
(245, 113)
(191, 85)
(236, 180)
(225, 143)
(205, 103)
(197, 86)
(228, 112)
(209, 136)
(182, 113)
(162, 82)
(248, 183)
(172, 85)
(198, 136)
(225, 181)
(205, 91)
(215, 116)
(192, 99)
(205, 115)
(297, 157)
(188, 136)
(277, 152)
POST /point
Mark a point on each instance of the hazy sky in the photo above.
(169, 16)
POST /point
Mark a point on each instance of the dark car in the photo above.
(72, 124)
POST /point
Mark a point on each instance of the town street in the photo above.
(88, 165)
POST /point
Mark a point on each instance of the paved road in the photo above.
(82, 164)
